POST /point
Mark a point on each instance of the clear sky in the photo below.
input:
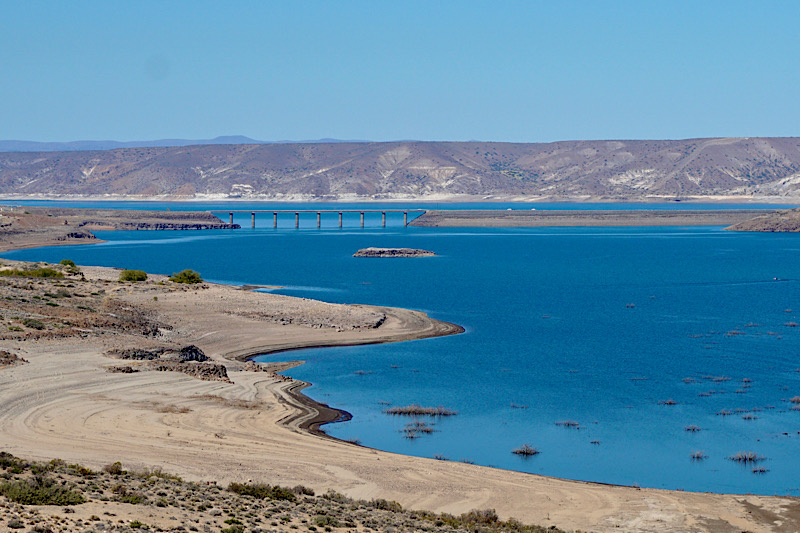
(389, 70)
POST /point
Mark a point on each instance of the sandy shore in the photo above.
(554, 218)
(64, 403)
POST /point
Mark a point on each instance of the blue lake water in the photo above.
(602, 326)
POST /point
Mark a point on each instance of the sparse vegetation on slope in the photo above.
(151, 500)
(602, 169)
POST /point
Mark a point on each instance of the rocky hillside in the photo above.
(745, 167)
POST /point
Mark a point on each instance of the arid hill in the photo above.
(611, 170)
(785, 220)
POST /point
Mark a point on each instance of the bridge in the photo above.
(319, 213)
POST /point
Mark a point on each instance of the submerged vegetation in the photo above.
(418, 410)
(526, 450)
(747, 457)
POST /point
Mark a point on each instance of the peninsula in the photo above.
(31, 227)
(495, 218)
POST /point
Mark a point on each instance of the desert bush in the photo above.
(114, 469)
(325, 520)
(186, 276)
(483, 516)
(40, 491)
(9, 461)
(70, 266)
(33, 323)
(386, 505)
(133, 275)
(262, 491)
(302, 490)
(41, 272)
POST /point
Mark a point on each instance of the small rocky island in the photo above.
(393, 252)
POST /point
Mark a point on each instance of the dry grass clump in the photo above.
(747, 457)
(418, 410)
(795, 399)
(526, 450)
(698, 455)
(416, 429)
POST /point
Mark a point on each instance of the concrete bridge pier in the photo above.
(340, 219)
(231, 217)
(405, 218)
(274, 220)
(297, 220)
(362, 218)
(319, 219)
(383, 218)
(252, 220)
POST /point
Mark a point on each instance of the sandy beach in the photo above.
(64, 403)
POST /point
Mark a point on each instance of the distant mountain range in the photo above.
(74, 146)
(740, 168)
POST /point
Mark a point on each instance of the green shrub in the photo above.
(133, 498)
(133, 275)
(41, 272)
(186, 276)
(40, 491)
(325, 520)
(32, 323)
(9, 461)
(67, 262)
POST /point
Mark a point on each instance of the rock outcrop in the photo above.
(184, 354)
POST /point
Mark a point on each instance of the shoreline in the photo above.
(251, 428)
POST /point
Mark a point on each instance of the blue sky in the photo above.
(432, 70)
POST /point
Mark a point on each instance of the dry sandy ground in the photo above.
(64, 404)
